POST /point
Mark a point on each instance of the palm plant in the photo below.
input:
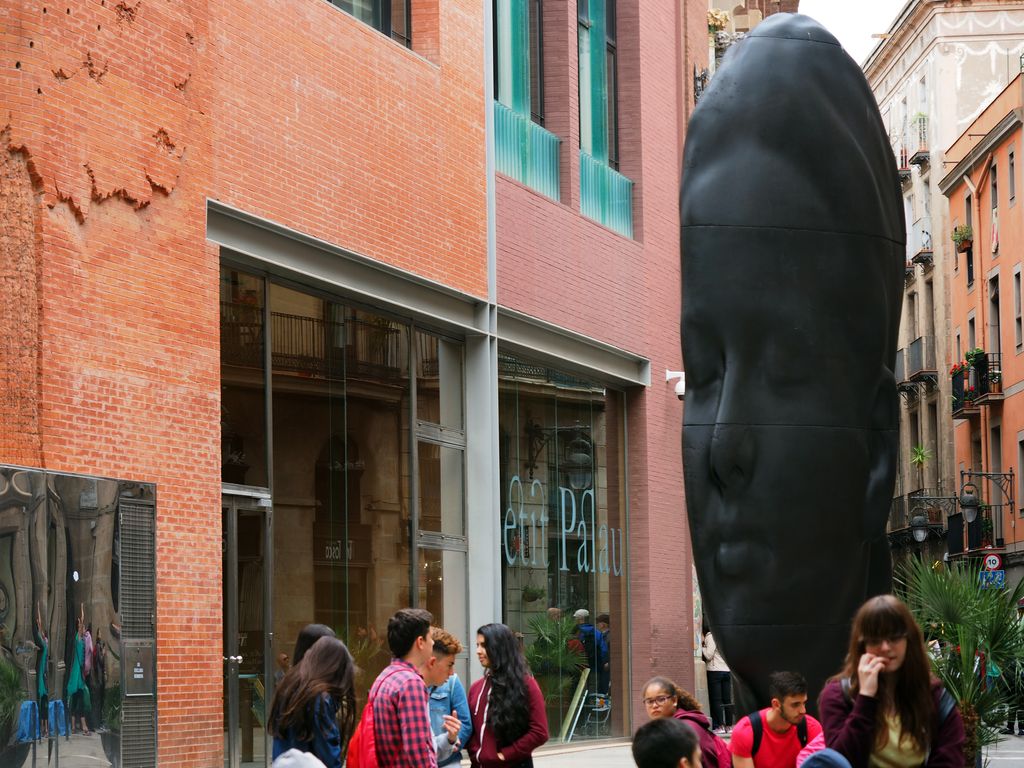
(10, 697)
(555, 660)
(977, 628)
(919, 456)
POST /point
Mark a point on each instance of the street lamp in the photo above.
(578, 464)
(969, 501)
(919, 525)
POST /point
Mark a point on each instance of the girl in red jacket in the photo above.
(506, 706)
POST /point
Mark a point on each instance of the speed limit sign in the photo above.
(993, 562)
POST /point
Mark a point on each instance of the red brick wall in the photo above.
(557, 265)
(118, 121)
(370, 145)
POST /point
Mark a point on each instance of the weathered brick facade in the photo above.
(118, 120)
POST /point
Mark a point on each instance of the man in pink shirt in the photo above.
(773, 737)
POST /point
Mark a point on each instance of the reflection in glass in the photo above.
(562, 526)
(243, 379)
(341, 399)
(61, 629)
(439, 380)
(441, 489)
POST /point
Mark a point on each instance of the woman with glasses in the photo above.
(885, 707)
(663, 698)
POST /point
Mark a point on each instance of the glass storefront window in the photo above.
(438, 381)
(243, 421)
(563, 548)
(441, 488)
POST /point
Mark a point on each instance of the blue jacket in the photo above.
(326, 740)
(443, 699)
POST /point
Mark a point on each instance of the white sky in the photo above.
(853, 23)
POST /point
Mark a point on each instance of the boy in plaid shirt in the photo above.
(401, 705)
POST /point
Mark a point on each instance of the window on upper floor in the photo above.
(994, 184)
(388, 16)
(518, 59)
(605, 194)
(967, 210)
(1011, 179)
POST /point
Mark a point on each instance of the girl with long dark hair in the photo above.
(314, 707)
(885, 707)
(506, 705)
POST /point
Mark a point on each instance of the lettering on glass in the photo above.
(581, 544)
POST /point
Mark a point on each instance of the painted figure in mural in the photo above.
(793, 245)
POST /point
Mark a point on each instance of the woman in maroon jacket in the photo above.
(663, 698)
(885, 707)
(506, 705)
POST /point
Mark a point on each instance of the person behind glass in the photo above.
(79, 702)
(97, 680)
(314, 708)
(592, 643)
(449, 710)
(309, 635)
(719, 685)
(662, 698)
(603, 623)
(43, 644)
(509, 720)
(894, 711)
(666, 743)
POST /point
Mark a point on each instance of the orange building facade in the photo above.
(983, 188)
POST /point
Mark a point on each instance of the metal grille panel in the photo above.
(138, 733)
(138, 570)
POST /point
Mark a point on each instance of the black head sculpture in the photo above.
(793, 245)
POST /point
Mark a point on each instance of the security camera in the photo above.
(680, 378)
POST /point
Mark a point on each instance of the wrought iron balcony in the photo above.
(990, 379)
(919, 131)
(312, 346)
(965, 392)
(921, 359)
(933, 508)
(919, 242)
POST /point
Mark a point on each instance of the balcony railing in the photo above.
(933, 507)
(919, 241)
(900, 371)
(965, 392)
(313, 346)
(606, 196)
(990, 378)
(921, 358)
(526, 151)
(918, 140)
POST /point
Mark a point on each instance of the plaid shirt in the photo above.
(401, 718)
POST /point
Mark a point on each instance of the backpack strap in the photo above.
(946, 704)
(757, 728)
(801, 732)
(845, 683)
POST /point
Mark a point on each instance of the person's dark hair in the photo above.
(309, 635)
(508, 712)
(783, 684)
(662, 743)
(404, 627)
(907, 691)
(603, 618)
(327, 668)
(684, 701)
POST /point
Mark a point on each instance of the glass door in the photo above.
(246, 582)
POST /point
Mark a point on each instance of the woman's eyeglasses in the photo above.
(656, 701)
(891, 640)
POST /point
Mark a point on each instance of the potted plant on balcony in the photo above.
(919, 456)
(963, 237)
(974, 356)
(718, 20)
(986, 525)
(995, 381)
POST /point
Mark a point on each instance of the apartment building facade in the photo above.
(981, 185)
(300, 304)
(932, 74)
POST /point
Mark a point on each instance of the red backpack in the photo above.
(362, 747)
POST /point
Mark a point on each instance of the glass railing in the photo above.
(606, 196)
(525, 151)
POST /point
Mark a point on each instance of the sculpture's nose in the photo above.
(732, 456)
